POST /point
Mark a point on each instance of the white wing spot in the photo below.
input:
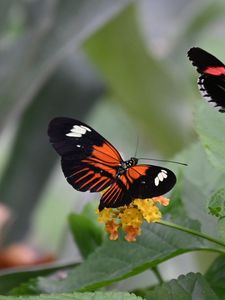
(164, 175)
(157, 181)
(160, 177)
(78, 131)
(87, 129)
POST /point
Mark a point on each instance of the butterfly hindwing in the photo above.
(212, 80)
(89, 161)
(140, 181)
(149, 181)
(115, 196)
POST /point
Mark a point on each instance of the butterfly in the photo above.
(212, 80)
(90, 163)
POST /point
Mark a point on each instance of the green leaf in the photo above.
(116, 260)
(216, 276)
(79, 296)
(221, 228)
(10, 279)
(210, 126)
(134, 77)
(217, 203)
(87, 235)
(186, 287)
(199, 181)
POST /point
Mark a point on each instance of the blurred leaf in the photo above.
(210, 126)
(217, 203)
(176, 206)
(11, 278)
(32, 156)
(138, 80)
(81, 296)
(201, 16)
(116, 260)
(59, 28)
(87, 235)
(200, 180)
(221, 228)
(186, 287)
(216, 276)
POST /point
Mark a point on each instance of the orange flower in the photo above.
(131, 233)
(130, 217)
(112, 228)
(162, 200)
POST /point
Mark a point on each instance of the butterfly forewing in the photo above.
(204, 61)
(212, 80)
(89, 161)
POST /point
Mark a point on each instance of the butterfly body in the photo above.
(90, 163)
(212, 79)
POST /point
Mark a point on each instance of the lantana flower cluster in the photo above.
(130, 217)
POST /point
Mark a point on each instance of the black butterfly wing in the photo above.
(140, 181)
(147, 181)
(89, 161)
(212, 80)
(117, 195)
(205, 62)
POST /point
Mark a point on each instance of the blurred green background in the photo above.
(120, 66)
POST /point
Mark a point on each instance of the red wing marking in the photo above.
(112, 194)
(104, 157)
(82, 177)
(132, 174)
(79, 171)
(106, 152)
(217, 71)
(136, 172)
(124, 180)
(102, 180)
(93, 179)
(98, 165)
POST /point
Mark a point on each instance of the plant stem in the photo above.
(192, 231)
(157, 274)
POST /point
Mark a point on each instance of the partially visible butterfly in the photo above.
(212, 80)
(91, 163)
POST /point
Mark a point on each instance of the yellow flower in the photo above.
(130, 217)
(149, 210)
(105, 215)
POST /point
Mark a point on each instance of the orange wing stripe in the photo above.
(82, 177)
(99, 165)
(106, 153)
(124, 181)
(112, 193)
(103, 180)
(136, 172)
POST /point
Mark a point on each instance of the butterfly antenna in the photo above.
(169, 161)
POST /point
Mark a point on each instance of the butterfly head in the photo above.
(127, 164)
